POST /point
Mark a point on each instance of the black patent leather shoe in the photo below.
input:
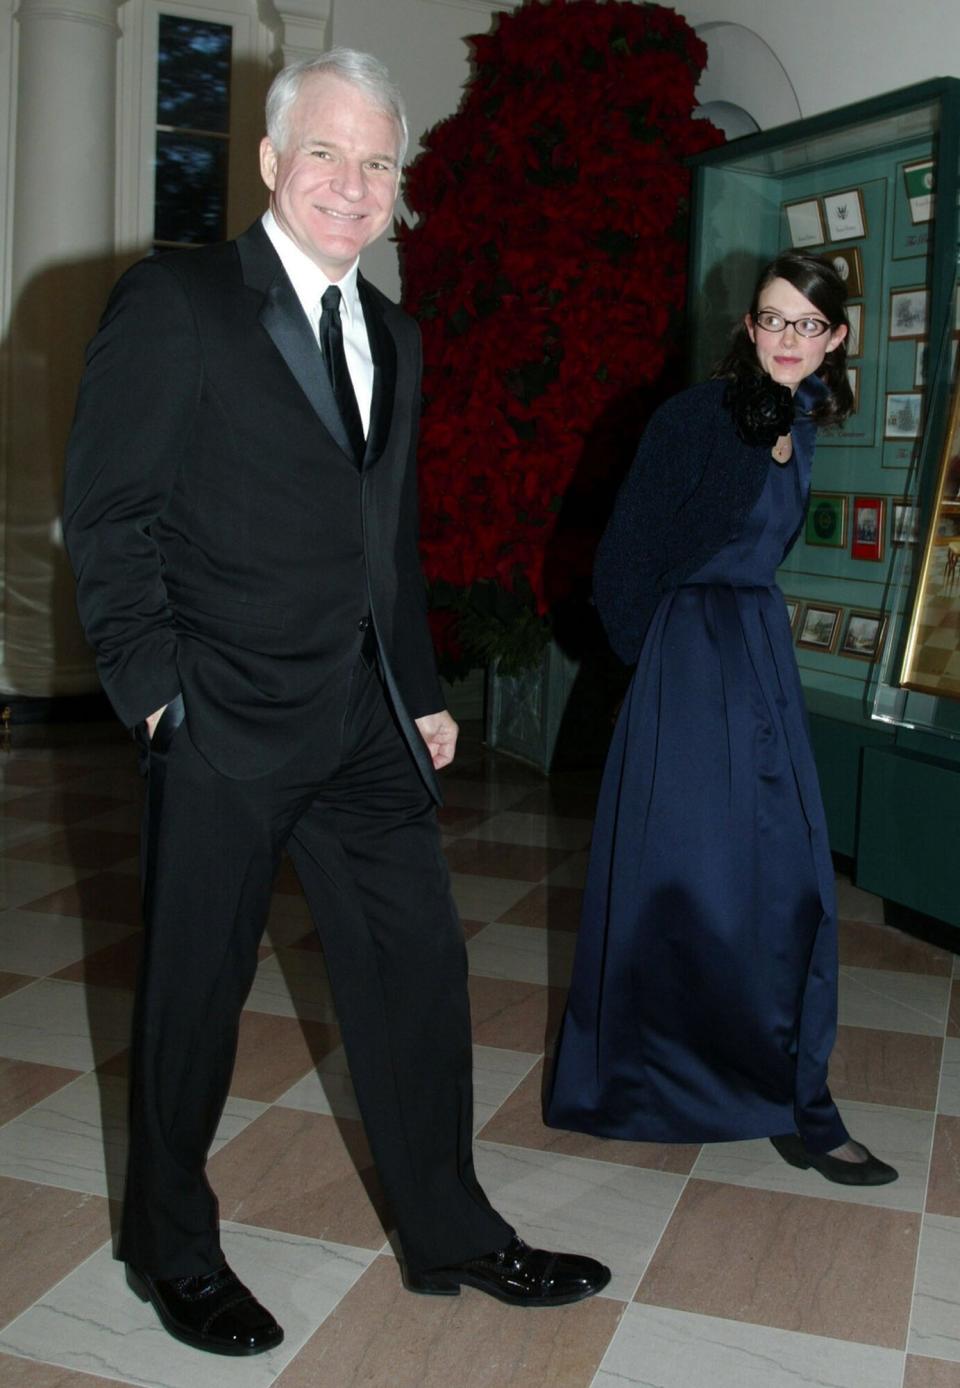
(519, 1275)
(214, 1312)
(869, 1172)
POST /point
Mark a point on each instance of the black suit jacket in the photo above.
(225, 543)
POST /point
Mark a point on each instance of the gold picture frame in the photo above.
(931, 661)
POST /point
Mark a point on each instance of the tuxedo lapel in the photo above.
(282, 316)
(383, 351)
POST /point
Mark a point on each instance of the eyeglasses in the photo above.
(806, 327)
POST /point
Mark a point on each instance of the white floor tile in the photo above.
(523, 954)
(23, 882)
(854, 904)
(900, 1136)
(893, 1001)
(294, 984)
(655, 1347)
(93, 1323)
(949, 1097)
(38, 944)
(614, 1213)
(77, 1137)
(53, 1022)
(572, 872)
(935, 1323)
(481, 898)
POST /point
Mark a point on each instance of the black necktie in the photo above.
(331, 343)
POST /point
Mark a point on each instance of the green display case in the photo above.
(874, 187)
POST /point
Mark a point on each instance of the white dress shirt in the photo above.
(309, 284)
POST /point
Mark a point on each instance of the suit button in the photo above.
(363, 623)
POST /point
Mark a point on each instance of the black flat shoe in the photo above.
(518, 1275)
(870, 1172)
(214, 1312)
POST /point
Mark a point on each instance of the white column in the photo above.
(61, 268)
(304, 28)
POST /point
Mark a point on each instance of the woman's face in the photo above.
(787, 355)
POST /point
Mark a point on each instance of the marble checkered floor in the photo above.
(731, 1270)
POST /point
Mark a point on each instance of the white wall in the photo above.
(787, 58)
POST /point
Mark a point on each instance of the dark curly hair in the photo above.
(817, 280)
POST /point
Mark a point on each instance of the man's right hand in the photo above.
(153, 719)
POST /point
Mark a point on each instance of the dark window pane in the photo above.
(191, 188)
(193, 74)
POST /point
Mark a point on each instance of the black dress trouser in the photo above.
(361, 830)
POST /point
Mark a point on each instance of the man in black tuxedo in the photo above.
(241, 515)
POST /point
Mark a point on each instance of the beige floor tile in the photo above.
(78, 847)
(57, 1023)
(455, 820)
(57, 806)
(519, 1123)
(381, 1336)
(930, 1373)
(9, 983)
(550, 908)
(274, 1052)
(44, 1233)
(515, 1016)
(303, 1173)
(114, 966)
(886, 1067)
(517, 861)
(25, 1373)
(815, 1266)
(872, 946)
(104, 896)
(558, 800)
(943, 1192)
(23, 1084)
(536, 830)
(656, 1347)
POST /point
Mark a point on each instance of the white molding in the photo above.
(484, 6)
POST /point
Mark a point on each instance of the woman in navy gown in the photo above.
(703, 1004)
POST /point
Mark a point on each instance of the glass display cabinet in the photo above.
(873, 584)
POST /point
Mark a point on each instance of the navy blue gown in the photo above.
(704, 994)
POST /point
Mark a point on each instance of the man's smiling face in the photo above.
(334, 183)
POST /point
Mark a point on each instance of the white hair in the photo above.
(359, 69)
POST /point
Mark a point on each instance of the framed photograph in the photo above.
(849, 266)
(908, 312)
(827, 520)
(920, 183)
(931, 661)
(904, 522)
(805, 222)
(863, 635)
(855, 335)
(846, 219)
(853, 376)
(868, 517)
(903, 416)
(794, 608)
(818, 630)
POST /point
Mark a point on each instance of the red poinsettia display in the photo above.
(547, 271)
